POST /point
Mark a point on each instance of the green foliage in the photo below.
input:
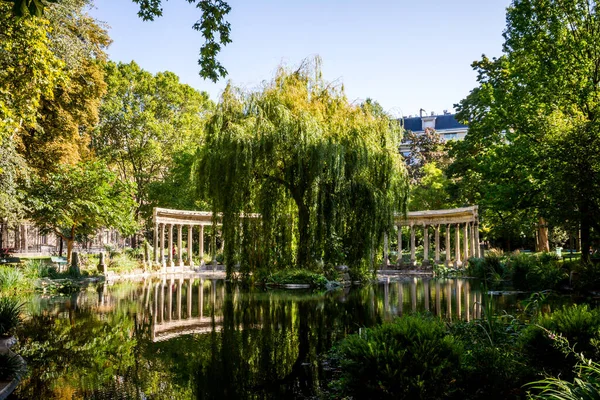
(148, 125)
(123, 262)
(499, 368)
(536, 272)
(532, 147)
(323, 174)
(490, 269)
(579, 324)
(296, 276)
(10, 315)
(11, 278)
(532, 272)
(412, 357)
(11, 367)
(79, 200)
(432, 191)
(36, 269)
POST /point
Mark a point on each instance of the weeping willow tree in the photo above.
(325, 175)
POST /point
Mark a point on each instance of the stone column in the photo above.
(425, 245)
(189, 298)
(179, 296)
(448, 256)
(478, 252)
(201, 298)
(457, 262)
(201, 244)
(399, 258)
(170, 300)
(385, 251)
(413, 258)
(437, 244)
(156, 233)
(162, 245)
(472, 239)
(466, 242)
(179, 244)
(190, 242)
(170, 248)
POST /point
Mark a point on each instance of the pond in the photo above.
(205, 338)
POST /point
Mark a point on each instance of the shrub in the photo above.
(10, 315)
(11, 278)
(296, 276)
(536, 272)
(579, 324)
(412, 357)
(489, 269)
(36, 269)
(121, 262)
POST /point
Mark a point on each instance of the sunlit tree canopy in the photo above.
(325, 175)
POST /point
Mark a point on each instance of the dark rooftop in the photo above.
(442, 122)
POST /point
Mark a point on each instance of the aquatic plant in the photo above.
(10, 315)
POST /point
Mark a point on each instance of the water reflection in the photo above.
(201, 338)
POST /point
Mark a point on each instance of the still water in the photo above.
(199, 338)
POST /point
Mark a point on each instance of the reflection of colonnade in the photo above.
(178, 307)
(448, 298)
(458, 220)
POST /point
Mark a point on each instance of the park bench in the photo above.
(59, 262)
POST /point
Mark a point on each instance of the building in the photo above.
(445, 125)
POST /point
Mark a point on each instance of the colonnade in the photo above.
(170, 225)
(163, 246)
(459, 220)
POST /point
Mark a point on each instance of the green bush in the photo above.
(11, 279)
(492, 361)
(412, 358)
(490, 269)
(296, 276)
(36, 269)
(10, 315)
(121, 262)
(579, 324)
(536, 272)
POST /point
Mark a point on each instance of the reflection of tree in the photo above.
(269, 345)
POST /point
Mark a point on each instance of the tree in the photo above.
(78, 200)
(212, 25)
(146, 121)
(325, 175)
(427, 147)
(432, 191)
(538, 107)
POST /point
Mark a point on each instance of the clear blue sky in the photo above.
(406, 55)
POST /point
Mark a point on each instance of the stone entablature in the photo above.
(439, 217)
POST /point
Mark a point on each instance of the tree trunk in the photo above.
(542, 235)
(303, 257)
(60, 246)
(70, 243)
(585, 239)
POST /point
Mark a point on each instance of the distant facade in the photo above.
(445, 125)
(25, 238)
